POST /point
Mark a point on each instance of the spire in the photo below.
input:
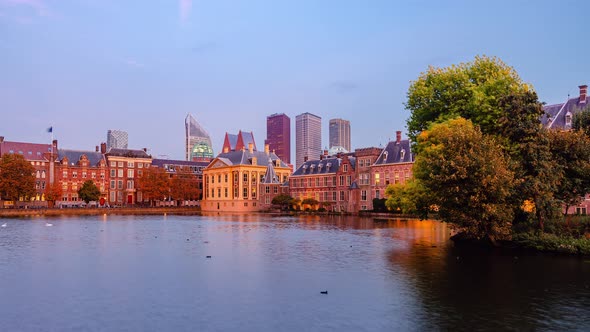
(270, 176)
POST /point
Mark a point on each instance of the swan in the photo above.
(48, 224)
(4, 224)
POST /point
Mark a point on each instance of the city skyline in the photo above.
(57, 63)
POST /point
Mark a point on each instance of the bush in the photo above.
(553, 243)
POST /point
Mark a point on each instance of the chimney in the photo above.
(250, 147)
(97, 148)
(55, 144)
(321, 157)
(1, 139)
(583, 93)
(144, 150)
(266, 149)
(398, 136)
(326, 153)
(226, 149)
(305, 159)
(103, 148)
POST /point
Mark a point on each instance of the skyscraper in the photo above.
(278, 136)
(198, 145)
(308, 137)
(340, 134)
(117, 139)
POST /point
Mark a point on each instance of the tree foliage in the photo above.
(581, 120)
(17, 179)
(408, 198)
(571, 151)
(154, 184)
(89, 191)
(468, 176)
(53, 191)
(184, 185)
(283, 200)
(310, 201)
(471, 90)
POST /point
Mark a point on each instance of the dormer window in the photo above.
(568, 119)
(385, 156)
(402, 153)
(320, 167)
(311, 168)
(328, 165)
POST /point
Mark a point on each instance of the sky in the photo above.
(87, 66)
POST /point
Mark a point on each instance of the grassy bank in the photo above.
(10, 213)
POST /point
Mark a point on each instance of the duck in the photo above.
(48, 224)
(4, 224)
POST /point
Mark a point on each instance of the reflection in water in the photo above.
(266, 273)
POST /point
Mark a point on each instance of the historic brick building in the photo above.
(74, 167)
(125, 167)
(42, 157)
(394, 165)
(173, 167)
(349, 182)
(365, 157)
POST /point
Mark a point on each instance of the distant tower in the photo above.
(117, 139)
(198, 145)
(278, 136)
(308, 137)
(340, 134)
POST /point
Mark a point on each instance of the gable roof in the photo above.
(396, 152)
(555, 117)
(74, 156)
(244, 157)
(237, 142)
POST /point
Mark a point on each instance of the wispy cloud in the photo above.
(185, 7)
(204, 46)
(38, 6)
(344, 86)
(134, 63)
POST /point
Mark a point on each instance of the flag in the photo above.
(50, 129)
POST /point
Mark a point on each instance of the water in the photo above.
(119, 273)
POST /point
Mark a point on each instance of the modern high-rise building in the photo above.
(308, 137)
(117, 139)
(198, 145)
(278, 136)
(340, 134)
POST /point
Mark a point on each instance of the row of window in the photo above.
(84, 175)
(130, 164)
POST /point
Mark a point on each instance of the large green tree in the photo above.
(571, 150)
(471, 90)
(17, 179)
(528, 145)
(581, 120)
(89, 191)
(468, 177)
(409, 198)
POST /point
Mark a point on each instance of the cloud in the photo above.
(185, 9)
(204, 46)
(38, 6)
(134, 63)
(344, 86)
